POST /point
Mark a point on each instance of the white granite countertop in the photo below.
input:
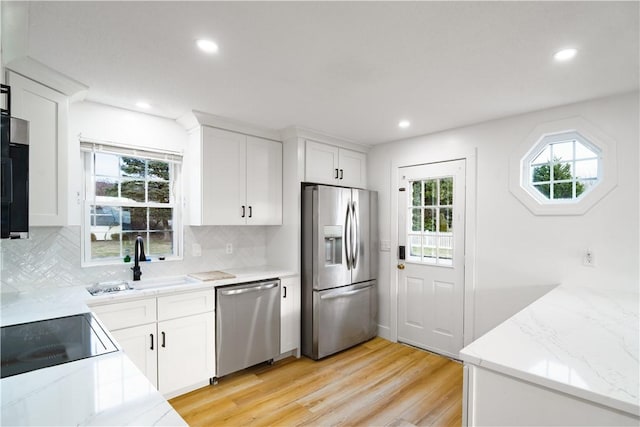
(580, 341)
(102, 390)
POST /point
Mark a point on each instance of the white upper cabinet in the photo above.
(328, 164)
(47, 113)
(264, 181)
(234, 179)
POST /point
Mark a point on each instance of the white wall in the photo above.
(519, 255)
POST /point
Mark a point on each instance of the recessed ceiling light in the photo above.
(565, 54)
(207, 46)
(142, 104)
(404, 124)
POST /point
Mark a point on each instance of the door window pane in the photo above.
(430, 192)
(430, 231)
(446, 191)
(416, 191)
(430, 219)
(415, 248)
(416, 220)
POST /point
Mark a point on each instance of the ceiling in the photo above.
(348, 69)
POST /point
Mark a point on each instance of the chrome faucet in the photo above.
(138, 255)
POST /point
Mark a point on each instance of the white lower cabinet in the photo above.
(496, 399)
(170, 338)
(186, 352)
(140, 344)
(290, 314)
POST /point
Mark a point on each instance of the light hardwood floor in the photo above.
(377, 383)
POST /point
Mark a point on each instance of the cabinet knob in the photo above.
(400, 266)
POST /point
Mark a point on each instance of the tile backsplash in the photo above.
(51, 257)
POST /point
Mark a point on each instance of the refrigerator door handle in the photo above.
(335, 295)
(347, 236)
(356, 233)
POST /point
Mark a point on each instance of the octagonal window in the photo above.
(563, 167)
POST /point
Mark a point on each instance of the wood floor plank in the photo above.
(375, 383)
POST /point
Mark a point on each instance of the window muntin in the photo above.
(564, 170)
(430, 230)
(129, 196)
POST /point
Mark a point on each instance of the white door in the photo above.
(431, 212)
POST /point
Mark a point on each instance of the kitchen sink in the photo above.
(128, 285)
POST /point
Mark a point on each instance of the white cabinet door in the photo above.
(186, 352)
(264, 182)
(290, 314)
(47, 113)
(241, 179)
(223, 177)
(327, 164)
(321, 163)
(140, 344)
(353, 168)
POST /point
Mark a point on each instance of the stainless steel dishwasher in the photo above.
(247, 325)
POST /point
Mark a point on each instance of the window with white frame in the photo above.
(430, 230)
(563, 167)
(130, 193)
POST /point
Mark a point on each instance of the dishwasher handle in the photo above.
(244, 290)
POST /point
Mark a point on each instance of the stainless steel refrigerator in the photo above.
(339, 268)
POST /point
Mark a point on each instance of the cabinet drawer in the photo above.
(173, 306)
(126, 314)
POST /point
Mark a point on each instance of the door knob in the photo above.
(400, 266)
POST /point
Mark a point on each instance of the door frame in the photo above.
(470, 158)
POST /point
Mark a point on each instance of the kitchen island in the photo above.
(569, 358)
(103, 390)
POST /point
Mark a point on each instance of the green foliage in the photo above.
(561, 172)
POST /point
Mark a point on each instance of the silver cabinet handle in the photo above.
(249, 289)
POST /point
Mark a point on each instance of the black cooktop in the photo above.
(29, 346)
